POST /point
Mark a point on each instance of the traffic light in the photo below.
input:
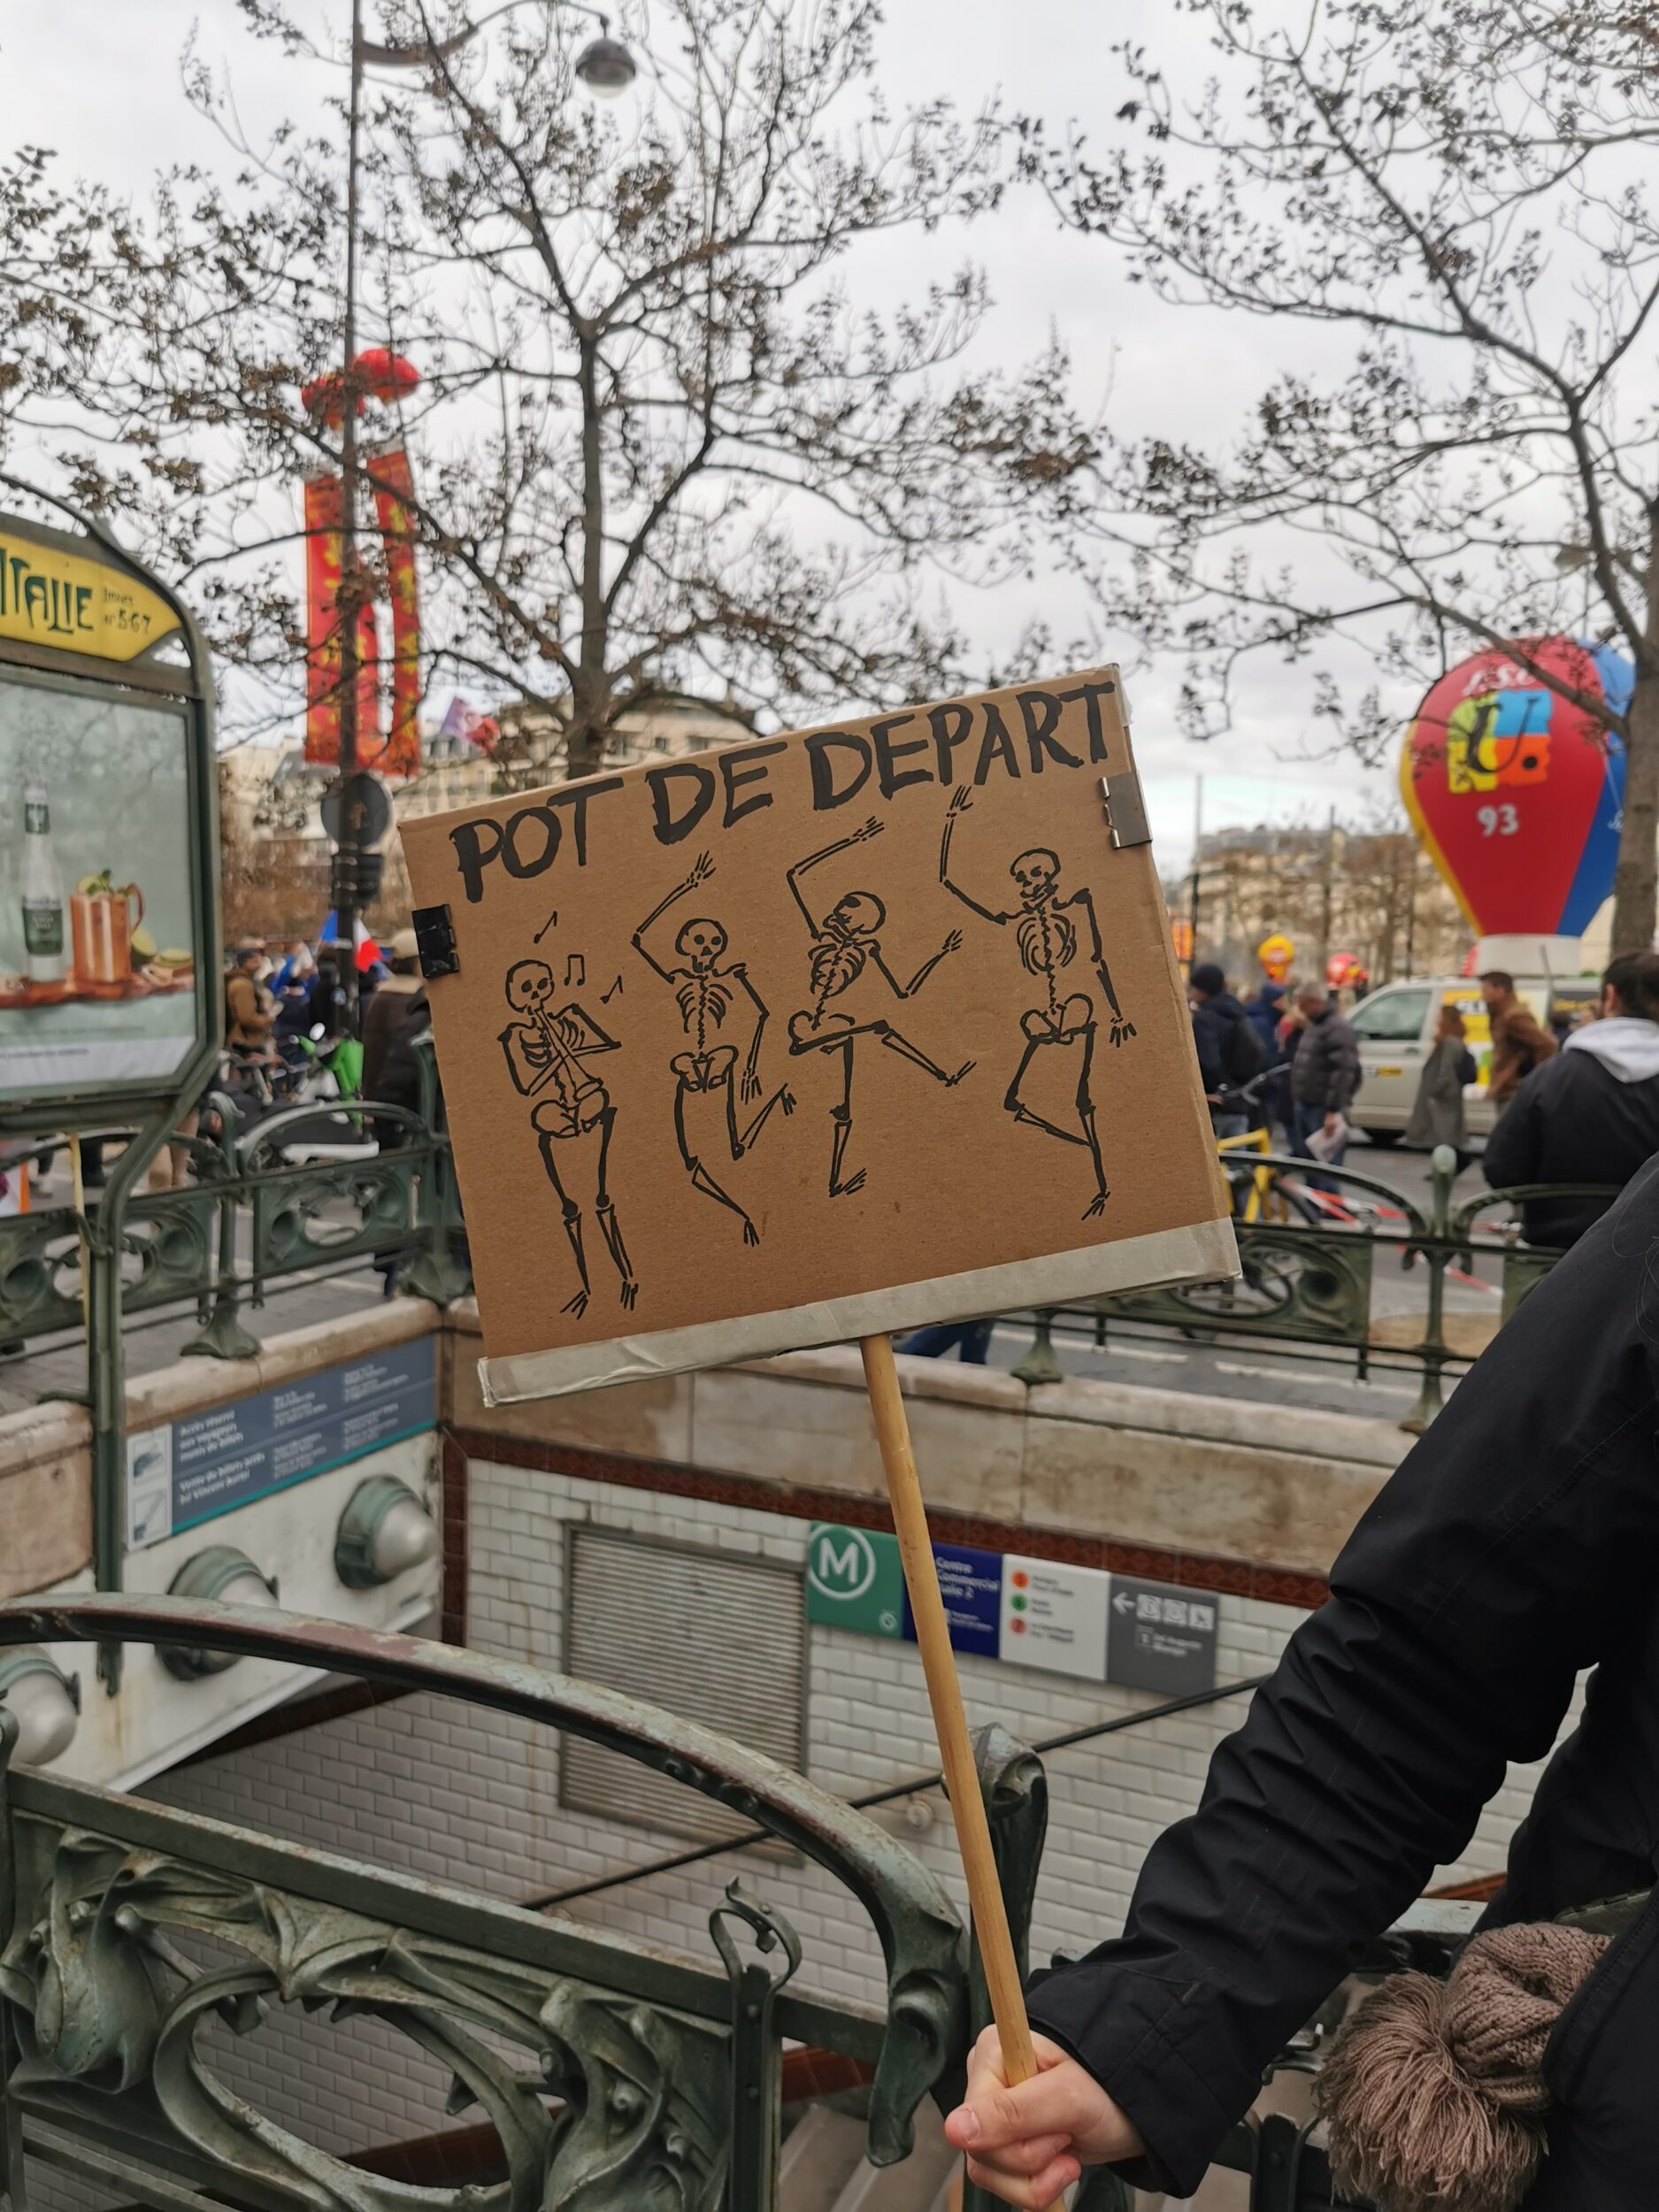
(354, 878)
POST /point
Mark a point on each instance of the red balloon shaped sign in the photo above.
(1514, 791)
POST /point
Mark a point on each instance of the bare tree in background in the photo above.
(1362, 885)
(1456, 193)
(657, 447)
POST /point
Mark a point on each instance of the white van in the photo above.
(1395, 1029)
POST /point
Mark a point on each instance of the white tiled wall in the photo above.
(452, 1792)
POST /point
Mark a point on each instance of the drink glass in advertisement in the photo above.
(102, 923)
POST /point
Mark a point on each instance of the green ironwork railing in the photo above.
(1308, 1279)
(636, 2076)
(251, 1221)
(614, 2074)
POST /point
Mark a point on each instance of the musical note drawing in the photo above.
(551, 923)
(615, 991)
(575, 970)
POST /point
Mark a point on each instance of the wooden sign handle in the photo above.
(950, 1722)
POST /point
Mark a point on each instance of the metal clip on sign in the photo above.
(1126, 809)
(434, 938)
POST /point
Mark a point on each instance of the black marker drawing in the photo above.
(615, 991)
(705, 1091)
(845, 941)
(575, 971)
(546, 1050)
(551, 923)
(1046, 934)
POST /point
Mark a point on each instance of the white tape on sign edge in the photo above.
(1203, 1253)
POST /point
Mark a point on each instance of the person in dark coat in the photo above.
(395, 1017)
(1225, 1060)
(1591, 1114)
(1437, 1113)
(1265, 1013)
(1323, 1076)
(1512, 1550)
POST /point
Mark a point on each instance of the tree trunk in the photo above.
(585, 746)
(1636, 877)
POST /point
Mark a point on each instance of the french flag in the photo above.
(367, 952)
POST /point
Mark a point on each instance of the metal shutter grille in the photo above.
(709, 1637)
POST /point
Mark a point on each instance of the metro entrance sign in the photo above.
(1083, 1622)
(855, 1581)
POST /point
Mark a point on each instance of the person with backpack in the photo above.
(1229, 1049)
(1437, 1114)
(1265, 1012)
(1588, 1115)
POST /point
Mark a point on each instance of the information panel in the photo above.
(213, 1461)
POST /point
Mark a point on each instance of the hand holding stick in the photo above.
(951, 1722)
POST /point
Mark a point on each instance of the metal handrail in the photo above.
(893, 1791)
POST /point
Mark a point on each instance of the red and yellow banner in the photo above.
(322, 508)
(399, 754)
(393, 492)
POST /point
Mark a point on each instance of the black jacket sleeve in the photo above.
(1474, 1589)
(1515, 1150)
(1344, 1071)
(1208, 1038)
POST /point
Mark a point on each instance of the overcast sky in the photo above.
(98, 80)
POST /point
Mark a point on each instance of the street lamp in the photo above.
(605, 66)
(607, 69)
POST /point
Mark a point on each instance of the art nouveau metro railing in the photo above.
(641, 2081)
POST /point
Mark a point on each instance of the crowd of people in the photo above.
(279, 1013)
(1575, 1103)
(1268, 1065)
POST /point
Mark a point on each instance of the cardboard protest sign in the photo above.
(815, 1038)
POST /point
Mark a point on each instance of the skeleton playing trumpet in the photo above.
(546, 1051)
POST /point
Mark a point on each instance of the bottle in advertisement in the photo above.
(42, 890)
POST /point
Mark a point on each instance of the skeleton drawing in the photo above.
(546, 1050)
(1049, 925)
(705, 1093)
(845, 943)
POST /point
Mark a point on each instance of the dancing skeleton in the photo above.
(844, 941)
(1045, 924)
(545, 1051)
(705, 993)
